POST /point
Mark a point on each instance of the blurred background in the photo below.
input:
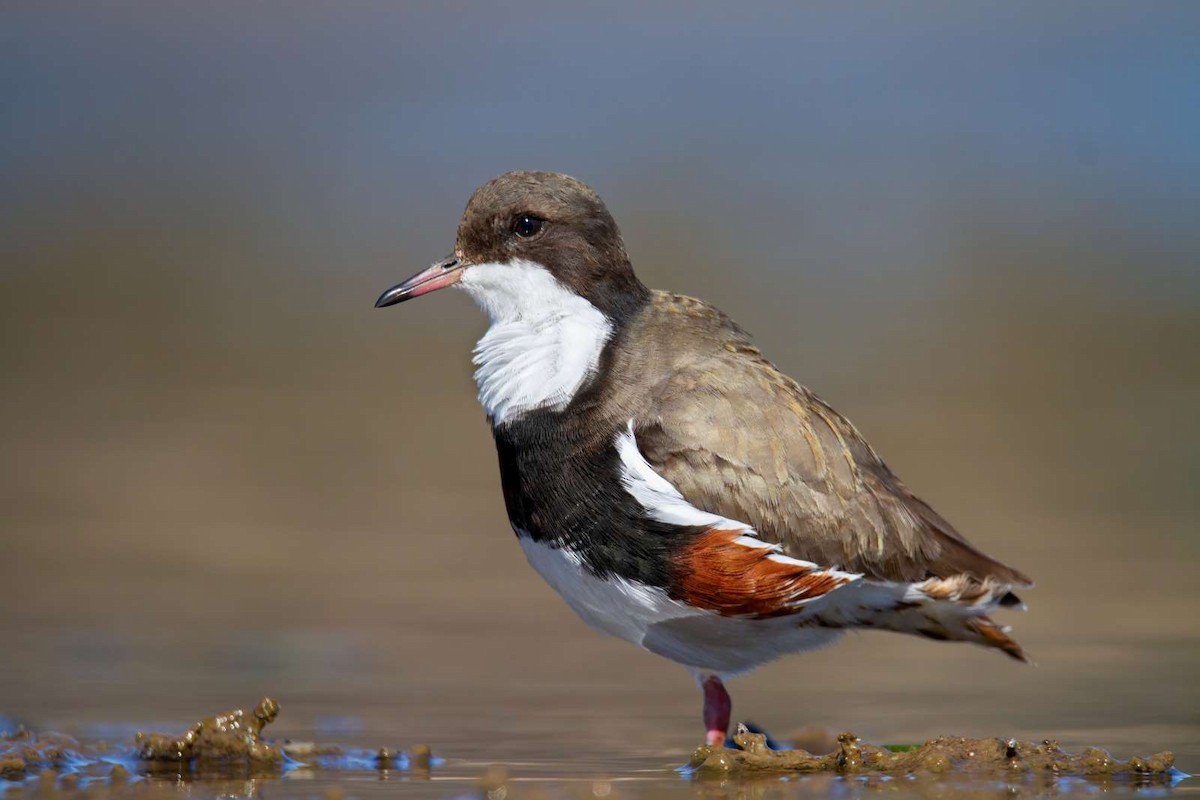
(971, 227)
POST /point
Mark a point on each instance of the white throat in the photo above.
(544, 341)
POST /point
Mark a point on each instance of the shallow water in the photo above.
(228, 759)
(555, 733)
(599, 776)
(452, 641)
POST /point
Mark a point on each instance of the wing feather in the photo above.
(740, 439)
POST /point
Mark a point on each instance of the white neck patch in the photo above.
(544, 341)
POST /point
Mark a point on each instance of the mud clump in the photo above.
(24, 753)
(231, 742)
(234, 737)
(47, 756)
(946, 754)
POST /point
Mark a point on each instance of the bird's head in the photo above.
(526, 238)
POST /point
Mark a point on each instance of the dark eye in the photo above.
(528, 225)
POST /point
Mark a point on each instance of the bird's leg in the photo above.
(717, 707)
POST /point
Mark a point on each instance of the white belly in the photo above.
(701, 640)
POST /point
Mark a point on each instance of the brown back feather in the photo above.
(739, 438)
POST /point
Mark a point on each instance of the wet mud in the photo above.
(231, 745)
(230, 738)
(224, 744)
(941, 756)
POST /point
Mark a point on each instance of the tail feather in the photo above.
(994, 635)
(946, 609)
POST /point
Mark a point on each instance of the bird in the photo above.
(668, 481)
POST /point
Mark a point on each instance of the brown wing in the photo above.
(740, 439)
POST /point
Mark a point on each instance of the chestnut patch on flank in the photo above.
(715, 572)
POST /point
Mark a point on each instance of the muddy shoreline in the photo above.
(232, 744)
(992, 757)
(223, 745)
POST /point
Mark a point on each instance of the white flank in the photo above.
(617, 606)
(702, 640)
(544, 341)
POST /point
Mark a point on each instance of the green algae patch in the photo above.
(946, 754)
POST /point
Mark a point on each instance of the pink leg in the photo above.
(717, 707)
